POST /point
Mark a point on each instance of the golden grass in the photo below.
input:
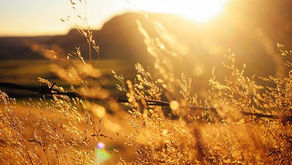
(66, 130)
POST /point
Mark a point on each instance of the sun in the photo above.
(197, 10)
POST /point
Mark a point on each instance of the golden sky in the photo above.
(42, 17)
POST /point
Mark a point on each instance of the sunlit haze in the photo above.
(197, 10)
(42, 17)
(103, 82)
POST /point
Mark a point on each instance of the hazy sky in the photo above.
(42, 17)
(36, 17)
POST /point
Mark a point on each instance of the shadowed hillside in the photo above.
(251, 32)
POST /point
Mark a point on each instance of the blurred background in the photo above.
(207, 29)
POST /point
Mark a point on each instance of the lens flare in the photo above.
(101, 155)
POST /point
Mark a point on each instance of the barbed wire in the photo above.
(46, 90)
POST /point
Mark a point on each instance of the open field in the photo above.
(26, 72)
(161, 121)
(149, 88)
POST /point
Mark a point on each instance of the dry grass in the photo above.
(65, 130)
(208, 137)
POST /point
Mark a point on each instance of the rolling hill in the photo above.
(248, 29)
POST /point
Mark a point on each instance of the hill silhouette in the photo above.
(250, 28)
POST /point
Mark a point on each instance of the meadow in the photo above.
(117, 112)
(26, 72)
(240, 121)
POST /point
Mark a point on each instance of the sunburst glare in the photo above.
(197, 10)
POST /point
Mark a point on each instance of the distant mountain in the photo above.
(119, 38)
(250, 28)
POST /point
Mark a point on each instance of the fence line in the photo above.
(45, 90)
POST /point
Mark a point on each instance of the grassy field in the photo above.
(164, 121)
(176, 111)
(26, 72)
